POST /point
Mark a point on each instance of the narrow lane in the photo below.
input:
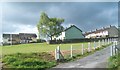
(96, 60)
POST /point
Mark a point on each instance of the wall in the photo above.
(73, 33)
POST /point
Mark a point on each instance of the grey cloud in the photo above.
(86, 15)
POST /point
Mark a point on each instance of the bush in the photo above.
(40, 41)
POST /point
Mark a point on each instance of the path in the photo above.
(96, 60)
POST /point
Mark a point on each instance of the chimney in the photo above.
(96, 29)
(103, 27)
(110, 25)
(91, 31)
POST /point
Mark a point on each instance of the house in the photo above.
(18, 38)
(27, 37)
(72, 32)
(110, 31)
(11, 39)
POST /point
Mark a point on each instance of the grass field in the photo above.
(39, 47)
(35, 55)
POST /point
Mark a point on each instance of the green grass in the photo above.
(114, 62)
(39, 59)
(29, 60)
(38, 47)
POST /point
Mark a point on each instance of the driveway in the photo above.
(96, 60)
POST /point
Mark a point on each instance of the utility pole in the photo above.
(11, 38)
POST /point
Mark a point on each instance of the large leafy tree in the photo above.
(49, 26)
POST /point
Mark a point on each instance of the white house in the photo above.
(72, 32)
(110, 31)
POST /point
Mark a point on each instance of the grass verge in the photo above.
(114, 62)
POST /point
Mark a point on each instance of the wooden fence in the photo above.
(59, 54)
(115, 48)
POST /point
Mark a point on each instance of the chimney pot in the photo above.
(110, 25)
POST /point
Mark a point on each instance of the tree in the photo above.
(49, 26)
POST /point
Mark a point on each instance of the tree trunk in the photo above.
(38, 35)
(51, 37)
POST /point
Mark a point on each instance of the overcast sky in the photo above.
(24, 16)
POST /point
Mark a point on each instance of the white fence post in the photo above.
(89, 47)
(99, 43)
(71, 51)
(114, 47)
(102, 42)
(58, 52)
(55, 54)
(111, 50)
(82, 49)
(94, 45)
(108, 40)
(105, 41)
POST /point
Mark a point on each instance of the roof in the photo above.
(68, 29)
(71, 27)
(98, 30)
(28, 34)
(20, 34)
(8, 35)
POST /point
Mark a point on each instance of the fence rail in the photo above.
(115, 48)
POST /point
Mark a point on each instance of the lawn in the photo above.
(39, 47)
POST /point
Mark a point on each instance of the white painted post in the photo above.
(82, 49)
(11, 38)
(114, 48)
(55, 54)
(103, 41)
(112, 40)
(89, 47)
(94, 45)
(99, 43)
(71, 51)
(111, 50)
(58, 52)
(108, 40)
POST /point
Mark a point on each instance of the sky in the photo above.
(23, 16)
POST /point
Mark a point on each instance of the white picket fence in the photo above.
(115, 48)
(96, 45)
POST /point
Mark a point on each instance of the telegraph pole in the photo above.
(11, 38)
